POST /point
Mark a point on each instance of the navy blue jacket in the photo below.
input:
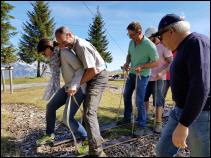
(190, 77)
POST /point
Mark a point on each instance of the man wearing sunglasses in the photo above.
(142, 55)
(190, 84)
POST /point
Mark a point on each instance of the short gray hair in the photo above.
(180, 26)
(62, 29)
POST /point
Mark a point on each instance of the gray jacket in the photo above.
(72, 72)
(72, 69)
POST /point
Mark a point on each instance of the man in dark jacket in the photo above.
(190, 83)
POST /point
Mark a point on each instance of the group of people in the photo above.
(149, 59)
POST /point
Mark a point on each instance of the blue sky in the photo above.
(116, 15)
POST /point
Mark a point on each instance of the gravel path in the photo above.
(27, 124)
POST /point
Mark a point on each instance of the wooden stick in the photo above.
(3, 80)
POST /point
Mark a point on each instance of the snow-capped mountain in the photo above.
(22, 69)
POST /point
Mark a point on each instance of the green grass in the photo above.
(116, 83)
(28, 80)
(107, 111)
(24, 80)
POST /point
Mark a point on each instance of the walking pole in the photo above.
(136, 83)
(154, 123)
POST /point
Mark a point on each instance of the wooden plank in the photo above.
(104, 128)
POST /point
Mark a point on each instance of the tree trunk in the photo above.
(38, 69)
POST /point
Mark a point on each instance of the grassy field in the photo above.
(107, 111)
(24, 80)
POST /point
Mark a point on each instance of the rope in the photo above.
(78, 107)
(179, 152)
(68, 124)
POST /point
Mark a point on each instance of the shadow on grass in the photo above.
(9, 148)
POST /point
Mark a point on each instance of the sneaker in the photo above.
(139, 132)
(158, 127)
(83, 148)
(166, 113)
(122, 122)
(150, 117)
(45, 139)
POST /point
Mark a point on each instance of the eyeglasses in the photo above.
(131, 35)
(160, 36)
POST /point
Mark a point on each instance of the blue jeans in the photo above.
(155, 88)
(58, 100)
(198, 139)
(140, 93)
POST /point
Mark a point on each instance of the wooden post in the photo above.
(10, 75)
(2, 76)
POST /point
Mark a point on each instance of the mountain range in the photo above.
(22, 69)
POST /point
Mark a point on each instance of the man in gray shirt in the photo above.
(96, 78)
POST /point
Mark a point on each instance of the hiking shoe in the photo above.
(139, 132)
(122, 122)
(158, 127)
(45, 139)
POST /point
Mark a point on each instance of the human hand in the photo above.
(126, 67)
(138, 69)
(179, 136)
(159, 75)
(71, 91)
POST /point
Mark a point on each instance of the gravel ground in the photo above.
(28, 124)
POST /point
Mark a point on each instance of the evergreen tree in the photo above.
(7, 31)
(40, 25)
(97, 37)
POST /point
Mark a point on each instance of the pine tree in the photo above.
(40, 25)
(98, 38)
(7, 31)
